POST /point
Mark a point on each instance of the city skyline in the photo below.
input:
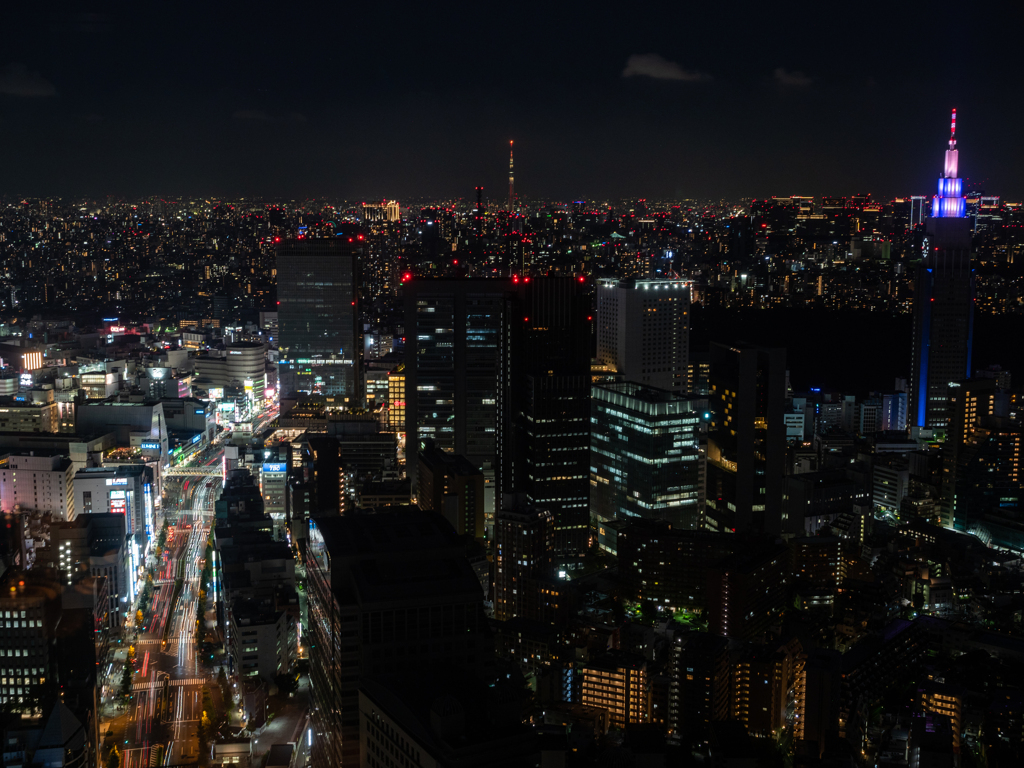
(476, 386)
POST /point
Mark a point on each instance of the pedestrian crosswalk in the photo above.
(148, 686)
(191, 681)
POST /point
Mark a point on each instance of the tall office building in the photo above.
(643, 331)
(448, 483)
(746, 591)
(943, 301)
(700, 668)
(971, 403)
(523, 559)
(391, 593)
(28, 663)
(544, 403)
(982, 454)
(320, 337)
(452, 332)
(38, 481)
(747, 441)
(645, 455)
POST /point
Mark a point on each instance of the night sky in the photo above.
(377, 98)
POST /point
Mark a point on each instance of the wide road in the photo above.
(170, 720)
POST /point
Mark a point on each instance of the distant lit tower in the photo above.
(943, 301)
(478, 213)
(512, 180)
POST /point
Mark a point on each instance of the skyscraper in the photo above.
(451, 365)
(390, 593)
(318, 317)
(523, 558)
(645, 455)
(972, 404)
(981, 489)
(943, 301)
(544, 403)
(643, 331)
(747, 441)
(987, 486)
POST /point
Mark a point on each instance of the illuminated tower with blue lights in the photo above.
(943, 301)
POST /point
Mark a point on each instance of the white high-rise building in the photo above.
(43, 482)
(643, 330)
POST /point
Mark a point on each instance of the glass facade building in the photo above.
(646, 458)
(544, 404)
(451, 365)
(318, 317)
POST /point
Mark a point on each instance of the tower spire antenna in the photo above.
(949, 203)
(511, 179)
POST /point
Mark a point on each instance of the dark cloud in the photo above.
(659, 68)
(792, 79)
(18, 80)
